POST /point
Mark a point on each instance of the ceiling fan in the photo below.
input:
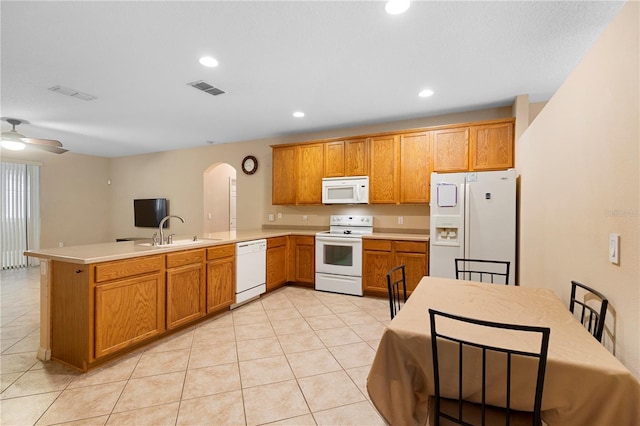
(15, 141)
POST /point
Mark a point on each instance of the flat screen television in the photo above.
(149, 212)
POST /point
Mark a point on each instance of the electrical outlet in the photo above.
(271, 217)
(400, 220)
(60, 244)
(304, 218)
(279, 215)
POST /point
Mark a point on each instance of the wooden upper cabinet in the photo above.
(355, 157)
(415, 167)
(383, 169)
(334, 159)
(492, 146)
(345, 158)
(283, 181)
(310, 173)
(451, 150)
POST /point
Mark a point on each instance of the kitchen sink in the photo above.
(178, 243)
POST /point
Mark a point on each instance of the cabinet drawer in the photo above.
(221, 251)
(182, 258)
(411, 246)
(380, 245)
(276, 242)
(128, 268)
(305, 241)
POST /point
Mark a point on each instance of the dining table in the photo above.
(584, 383)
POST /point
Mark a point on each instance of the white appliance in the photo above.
(345, 190)
(473, 215)
(339, 254)
(251, 270)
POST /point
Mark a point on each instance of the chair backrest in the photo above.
(590, 317)
(493, 271)
(504, 359)
(397, 286)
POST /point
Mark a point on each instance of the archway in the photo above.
(219, 198)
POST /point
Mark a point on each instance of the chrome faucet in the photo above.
(161, 242)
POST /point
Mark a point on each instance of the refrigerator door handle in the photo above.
(467, 220)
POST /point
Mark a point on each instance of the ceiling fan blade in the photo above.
(46, 145)
(53, 149)
(42, 142)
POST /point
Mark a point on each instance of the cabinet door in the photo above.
(186, 293)
(415, 167)
(310, 173)
(492, 146)
(416, 267)
(376, 264)
(451, 150)
(276, 267)
(355, 157)
(383, 170)
(283, 176)
(304, 257)
(127, 312)
(220, 283)
(334, 159)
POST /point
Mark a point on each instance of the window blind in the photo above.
(20, 213)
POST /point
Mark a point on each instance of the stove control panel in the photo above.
(349, 220)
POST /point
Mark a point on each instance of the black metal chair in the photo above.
(590, 317)
(471, 358)
(397, 286)
(494, 271)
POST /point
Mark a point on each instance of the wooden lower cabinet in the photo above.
(302, 267)
(221, 277)
(378, 256)
(277, 253)
(128, 311)
(377, 259)
(186, 287)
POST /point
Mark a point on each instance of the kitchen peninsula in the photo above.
(100, 301)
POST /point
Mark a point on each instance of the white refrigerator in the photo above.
(473, 215)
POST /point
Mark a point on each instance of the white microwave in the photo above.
(345, 190)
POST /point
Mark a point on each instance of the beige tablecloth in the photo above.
(584, 383)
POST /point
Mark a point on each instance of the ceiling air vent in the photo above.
(206, 87)
(72, 92)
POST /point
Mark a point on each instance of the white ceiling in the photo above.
(344, 63)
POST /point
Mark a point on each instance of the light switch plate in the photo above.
(614, 248)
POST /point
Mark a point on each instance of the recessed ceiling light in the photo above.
(208, 61)
(425, 93)
(298, 114)
(396, 7)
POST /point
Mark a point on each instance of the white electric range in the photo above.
(339, 254)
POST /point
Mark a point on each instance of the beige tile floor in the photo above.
(296, 357)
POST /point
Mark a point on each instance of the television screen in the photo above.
(149, 212)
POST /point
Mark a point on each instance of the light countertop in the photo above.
(104, 252)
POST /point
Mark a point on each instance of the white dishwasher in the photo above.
(251, 270)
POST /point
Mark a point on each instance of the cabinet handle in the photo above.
(78, 271)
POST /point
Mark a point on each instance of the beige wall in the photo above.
(579, 167)
(74, 199)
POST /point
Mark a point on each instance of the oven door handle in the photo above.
(338, 240)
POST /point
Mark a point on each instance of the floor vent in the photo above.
(206, 87)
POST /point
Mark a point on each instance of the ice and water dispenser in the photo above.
(446, 229)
